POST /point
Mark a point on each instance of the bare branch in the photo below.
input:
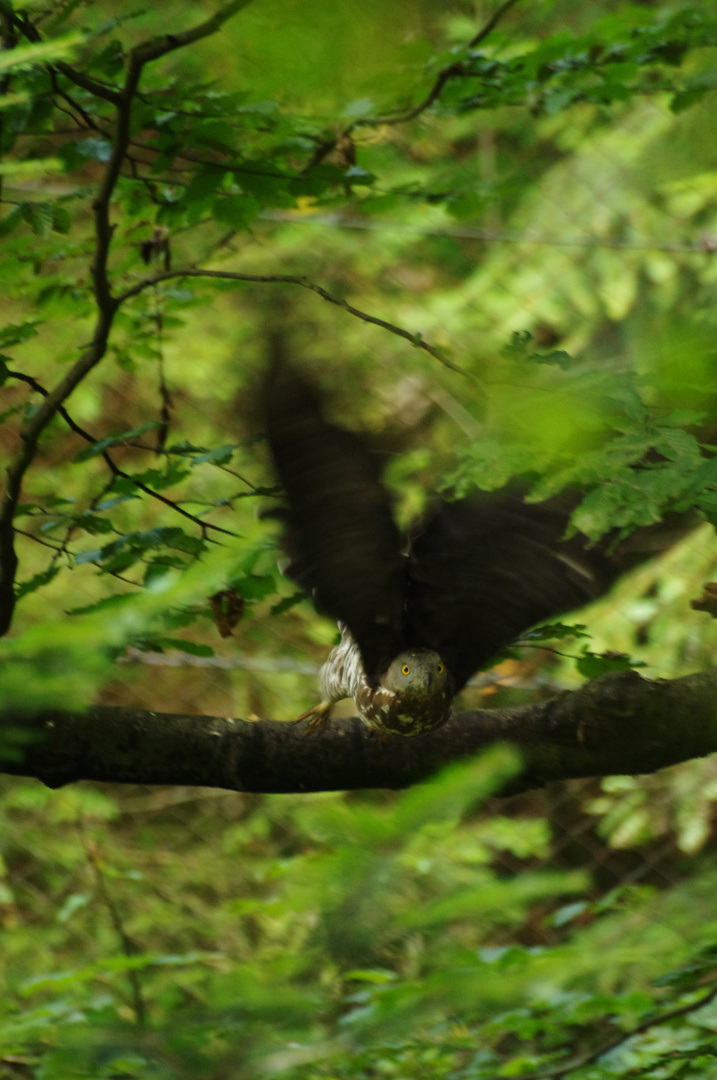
(305, 283)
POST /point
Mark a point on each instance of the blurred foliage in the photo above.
(536, 206)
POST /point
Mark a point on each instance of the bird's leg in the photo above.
(318, 717)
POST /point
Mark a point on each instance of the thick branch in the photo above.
(620, 723)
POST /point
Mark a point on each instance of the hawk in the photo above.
(418, 615)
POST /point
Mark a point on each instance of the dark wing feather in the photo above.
(341, 538)
(486, 568)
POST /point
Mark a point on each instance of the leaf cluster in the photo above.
(323, 936)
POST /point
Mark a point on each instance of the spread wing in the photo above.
(486, 568)
(340, 535)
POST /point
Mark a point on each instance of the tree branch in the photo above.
(152, 50)
(92, 86)
(106, 303)
(204, 526)
(305, 283)
(620, 723)
(444, 76)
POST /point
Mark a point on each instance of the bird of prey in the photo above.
(418, 616)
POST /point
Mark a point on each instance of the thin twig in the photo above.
(111, 464)
(442, 78)
(491, 24)
(58, 549)
(97, 89)
(304, 283)
(612, 1044)
(129, 948)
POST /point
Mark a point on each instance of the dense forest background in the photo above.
(489, 233)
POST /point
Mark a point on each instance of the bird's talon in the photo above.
(318, 717)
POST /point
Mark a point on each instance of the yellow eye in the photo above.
(439, 669)
(405, 670)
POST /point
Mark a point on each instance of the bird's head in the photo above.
(421, 693)
(420, 671)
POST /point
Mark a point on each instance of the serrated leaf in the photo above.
(17, 333)
(159, 479)
(674, 443)
(61, 220)
(203, 186)
(120, 561)
(159, 568)
(592, 665)
(39, 217)
(113, 440)
(107, 603)
(127, 549)
(220, 456)
(59, 500)
(93, 523)
(36, 582)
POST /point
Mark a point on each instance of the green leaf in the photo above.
(25, 56)
(93, 523)
(127, 549)
(107, 603)
(36, 582)
(61, 220)
(16, 334)
(40, 216)
(254, 586)
(554, 632)
(96, 149)
(222, 455)
(114, 440)
(159, 568)
(592, 665)
(287, 603)
(237, 211)
(191, 647)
